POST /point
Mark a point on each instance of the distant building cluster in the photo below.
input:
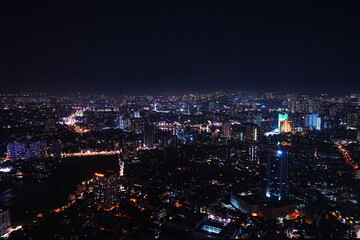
(219, 165)
(25, 150)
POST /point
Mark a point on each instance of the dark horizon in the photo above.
(180, 46)
(181, 93)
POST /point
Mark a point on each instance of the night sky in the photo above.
(179, 45)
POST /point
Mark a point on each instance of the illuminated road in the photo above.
(71, 121)
(346, 155)
(10, 230)
(88, 153)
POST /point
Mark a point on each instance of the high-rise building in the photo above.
(357, 174)
(314, 122)
(122, 168)
(254, 152)
(269, 95)
(56, 149)
(274, 170)
(50, 125)
(105, 190)
(137, 125)
(285, 126)
(226, 129)
(124, 124)
(16, 150)
(149, 136)
(37, 149)
(353, 120)
(137, 114)
(252, 132)
(282, 117)
(19, 150)
(258, 119)
(5, 222)
(211, 106)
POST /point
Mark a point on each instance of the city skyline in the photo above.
(218, 164)
(170, 120)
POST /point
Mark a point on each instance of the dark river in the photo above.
(28, 196)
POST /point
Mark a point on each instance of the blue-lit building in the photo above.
(124, 124)
(274, 170)
(16, 150)
(282, 117)
(24, 150)
(37, 149)
(258, 119)
(314, 122)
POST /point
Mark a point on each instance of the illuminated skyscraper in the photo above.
(258, 119)
(16, 150)
(353, 120)
(124, 124)
(19, 150)
(282, 117)
(137, 114)
(149, 136)
(274, 170)
(285, 126)
(314, 122)
(121, 166)
(252, 132)
(254, 150)
(226, 129)
(137, 125)
(105, 190)
(37, 149)
(5, 222)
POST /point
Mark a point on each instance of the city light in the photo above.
(5, 170)
(180, 120)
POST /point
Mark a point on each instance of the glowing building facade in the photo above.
(282, 117)
(286, 126)
(24, 150)
(254, 150)
(314, 122)
(124, 124)
(226, 129)
(16, 150)
(37, 149)
(105, 190)
(252, 132)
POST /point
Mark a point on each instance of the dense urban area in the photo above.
(218, 165)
